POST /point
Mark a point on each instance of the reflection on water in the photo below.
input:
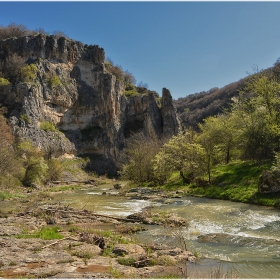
(241, 237)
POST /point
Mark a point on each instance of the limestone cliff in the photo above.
(67, 102)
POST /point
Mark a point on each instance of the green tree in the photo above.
(257, 113)
(181, 153)
(220, 130)
(212, 149)
(136, 160)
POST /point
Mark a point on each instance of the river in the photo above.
(240, 238)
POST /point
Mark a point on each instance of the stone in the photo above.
(128, 249)
(269, 182)
(117, 186)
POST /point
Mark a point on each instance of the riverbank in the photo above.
(236, 181)
(40, 239)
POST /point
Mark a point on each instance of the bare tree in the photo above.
(14, 30)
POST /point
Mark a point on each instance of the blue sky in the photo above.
(186, 47)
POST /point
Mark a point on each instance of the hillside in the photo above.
(193, 108)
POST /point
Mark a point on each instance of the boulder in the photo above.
(117, 186)
(269, 182)
(128, 249)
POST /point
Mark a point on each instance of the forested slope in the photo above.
(193, 108)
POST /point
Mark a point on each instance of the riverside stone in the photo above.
(127, 249)
(269, 182)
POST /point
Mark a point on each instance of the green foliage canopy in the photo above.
(181, 154)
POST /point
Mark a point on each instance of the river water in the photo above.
(242, 238)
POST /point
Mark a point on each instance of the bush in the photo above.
(55, 169)
(126, 261)
(25, 118)
(47, 126)
(13, 30)
(55, 81)
(124, 77)
(29, 72)
(4, 82)
(130, 87)
(130, 93)
(137, 158)
(12, 67)
(35, 172)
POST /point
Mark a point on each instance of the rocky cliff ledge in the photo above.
(65, 101)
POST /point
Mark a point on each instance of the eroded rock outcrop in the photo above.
(71, 89)
(269, 182)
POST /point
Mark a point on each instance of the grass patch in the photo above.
(4, 195)
(126, 261)
(83, 255)
(130, 93)
(46, 233)
(237, 181)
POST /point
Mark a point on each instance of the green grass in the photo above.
(84, 255)
(126, 261)
(7, 195)
(236, 181)
(46, 233)
(130, 93)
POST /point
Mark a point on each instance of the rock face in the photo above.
(72, 90)
(269, 182)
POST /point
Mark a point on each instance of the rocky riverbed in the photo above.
(83, 244)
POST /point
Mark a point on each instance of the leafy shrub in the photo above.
(4, 82)
(47, 126)
(83, 255)
(11, 68)
(130, 87)
(130, 93)
(25, 118)
(124, 77)
(126, 261)
(29, 72)
(35, 172)
(55, 81)
(55, 169)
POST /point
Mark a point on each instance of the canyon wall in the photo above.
(71, 104)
